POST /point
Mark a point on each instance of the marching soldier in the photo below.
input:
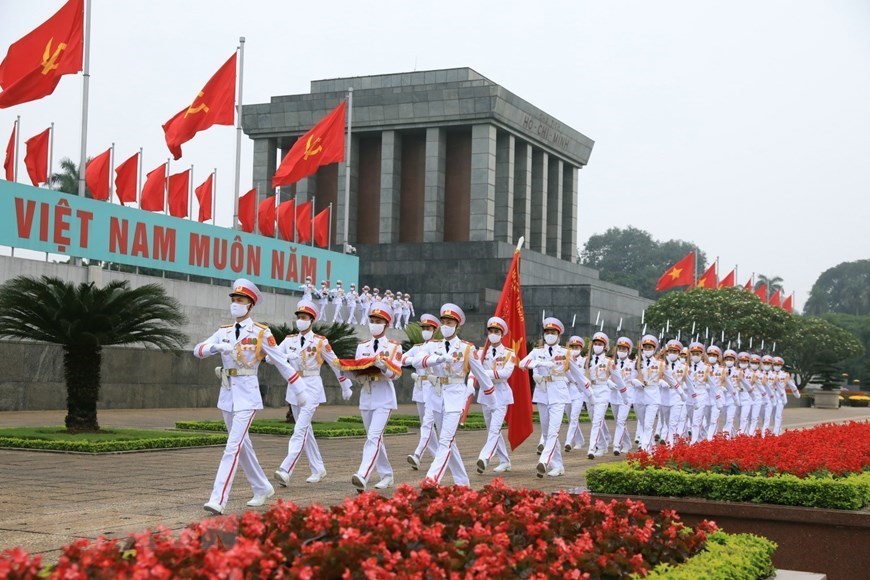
(307, 288)
(409, 310)
(422, 390)
(700, 399)
(746, 391)
(758, 394)
(732, 398)
(365, 300)
(579, 396)
(719, 388)
(306, 352)
(784, 382)
(241, 346)
(499, 363)
(768, 378)
(674, 396)
(352, 300)
(621, 400)
(323, 299)
(603, 377)
(648, 382)
(337, 302)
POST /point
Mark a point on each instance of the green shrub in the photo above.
(277, 427)
(725, 556)
(848, 493)
(113, 446)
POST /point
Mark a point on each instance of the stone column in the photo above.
(523, 191)
(306, 188)
(338, 234)
(433, 192)
(391, 174)
(569, 212)
(483, 147)
(540, 163)
(554, 207)
(265, 163)
(504, 187)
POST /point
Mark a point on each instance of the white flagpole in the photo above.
(346, 244)
(111, 170)
(17, 140)
(213, 196)
(276, 199)
(166, 188)
(257, 211)
(295, 208)
(237, 186)
(139, 184)
(190, 194)
(329, 235)
(51, 157)
(86, 79)
(313, 213)
(717, 272)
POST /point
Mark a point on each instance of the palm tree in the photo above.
(67, 179)
(774, 283)
(83, 319)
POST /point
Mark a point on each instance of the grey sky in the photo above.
(743, 126)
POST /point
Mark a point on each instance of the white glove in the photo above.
(682, 395)
(439, 359)
(346, 391)
(380, 364)
(268, 359)
(545, 364)
(222, 348)
(414, 377)
(797, 394)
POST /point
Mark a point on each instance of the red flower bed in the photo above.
(433, 532)
(828, 449)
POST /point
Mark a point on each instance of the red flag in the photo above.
(787, 305)
(9, 162)
(303, 222)
(708, 278)
(680, 274)
(510, 308)
(154, 190)
(34, 64)
(36, 158)
(748, 285)
(213, 105)
(203, 196)
(266, 217)
(761, 292)
(322, 145)
(775, 299)
(246, 210)
(728, 281)
(321, 229)
(126, 175)
(97, 175)
(286, 219)
(179, 192)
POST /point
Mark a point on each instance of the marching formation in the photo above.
(677, 392)
(349, 300)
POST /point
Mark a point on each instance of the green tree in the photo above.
(858, 366)
(83, 319)
(67, 179)
(631, 257)
(814, 345)
(845, 288)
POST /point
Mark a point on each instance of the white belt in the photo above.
(313, 373)
(455, 380)
(224, 374)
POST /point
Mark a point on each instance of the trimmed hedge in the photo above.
(113, 446)
(846, 493)
(267, 428)
(472, 424)
(725, 556)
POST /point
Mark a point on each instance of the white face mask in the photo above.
(712, 360)
(427, 334)
(729, 363)
(648, 353)
(753, 366)
(766, 367)
(672, 356)
(551, 339)
(303, 325)
(696, 358)
(376, 329)
(744, 365)
(237, 309)
(494, 338)
(447, 331)
(777, 368)
(621, 354)
(597, 348)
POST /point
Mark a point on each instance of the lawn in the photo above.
(56, 438)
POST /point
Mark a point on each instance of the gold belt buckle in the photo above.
(232, 372)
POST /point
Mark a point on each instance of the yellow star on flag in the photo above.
(675, 273)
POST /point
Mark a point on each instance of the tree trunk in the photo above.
(81, 367)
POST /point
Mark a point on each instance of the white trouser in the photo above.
(238, 451)
(745, 414)
(336, 316)
(730, 413)
(322, 311)
(575, 435)
(597, 440)
(428, 436)
(682, 416)
(374, 451)
(767, 405)
(551, 456)
(448, 453)
(494, 417)
(700, 416)
(544, 418)
(640, 413)
(777, 416)
(715, 412)
(753, 419)
(621, 438)
(351, 314)
(664, 422)
(647, 431)
(303, 439)
(676, 415)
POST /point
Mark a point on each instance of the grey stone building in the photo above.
(448, 169)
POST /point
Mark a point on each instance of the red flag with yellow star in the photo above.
(213, 105)
(680, 274)
(708, 278)
(322, 145)
(34, 64)
(728, 281)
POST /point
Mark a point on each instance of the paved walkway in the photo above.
(49, 499)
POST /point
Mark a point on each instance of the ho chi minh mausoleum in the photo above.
(448, 170)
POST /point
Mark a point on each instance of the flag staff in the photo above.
(312, 213)
(17, 139)
(190, 194)
(329, 230)
(86, 79)
(346, 244)
(237, 184)
(166, 187)
(111, 171)
(51, 157)
(213, 196)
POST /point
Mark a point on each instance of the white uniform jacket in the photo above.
(377, 390)
(498, 363)
(307, 361)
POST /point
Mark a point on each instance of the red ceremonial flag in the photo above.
(179, 193)
(303, 222)
(748, 285)
(36, 158)
(728, 281)
(213, 105)
(9, 162)
(154, 190)
(775, 299)
(680, 274)
(126, 175)
(246, 210)
(34, 64)
(761, 292)
(321, 229)
(322, 145)
(97, 175)
(286, 219)
(510, 308)
(203, 196)
(708, 278)
(266, 217)
(787, 305)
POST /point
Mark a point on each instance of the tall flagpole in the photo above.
(313, 213)
(277, 221)
(86, 79)
(347, 152)
(695, 266)
(329, 235)
(213, 195)
(17, 140)
(190, 194)
(239, 138)
(51, 156)
(717, 272)
(111, 171)
(166, 187)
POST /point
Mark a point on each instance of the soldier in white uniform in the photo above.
(241, 346)
(337, 302)
(307, 288)
(758, 392)
(718, 389)
(579, 396)
(673, 396)
(409, 309)
(621, 401)
(700, 399)
(784, 382)
(323, 299)
(377, 397)
(352, 300)
(649, 383)
(398, 307)
(306, 352)
(732, 398)
(746, 391)
(499, 362)
(603, 377)
(422, 390)
(769, 381)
